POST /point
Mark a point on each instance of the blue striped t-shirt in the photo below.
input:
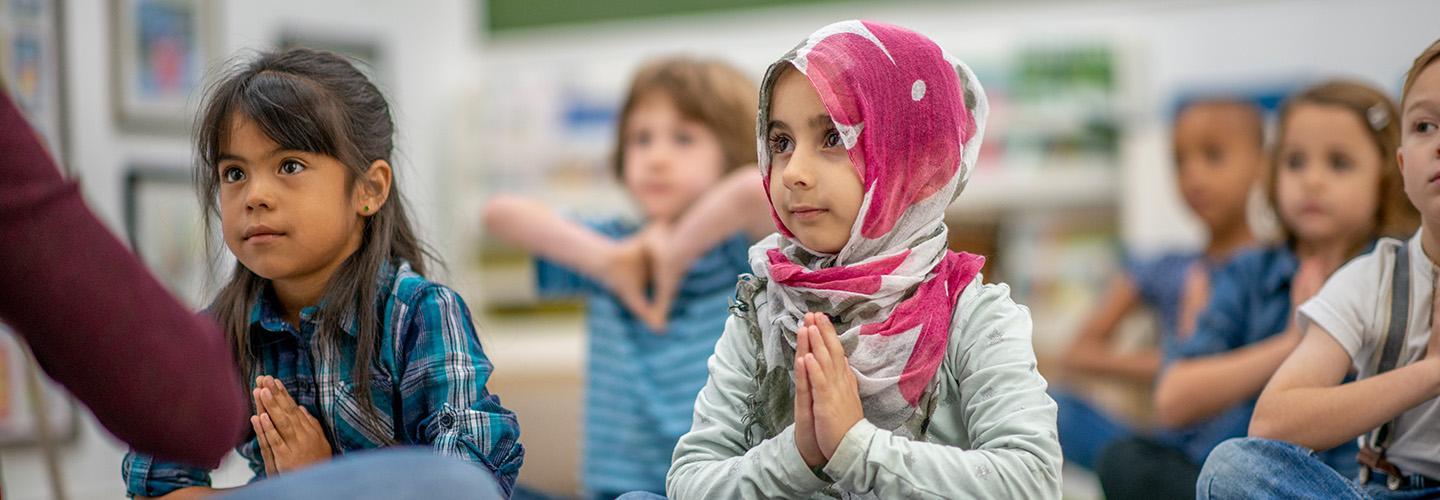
(640, 387)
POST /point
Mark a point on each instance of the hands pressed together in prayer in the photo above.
(290, 438)
(827, 396)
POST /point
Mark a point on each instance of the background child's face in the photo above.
(1419, 154)
(284, 214)
(1217, 157)
(813, 186)
(1327, 186)
(669, 160)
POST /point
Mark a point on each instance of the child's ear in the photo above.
(373, 189)
(1400, 160)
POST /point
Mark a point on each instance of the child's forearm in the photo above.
(1093, 351)
(1200, 388)
(1347, 410)
(535, 227)
(737, 204)
(1140, 366)
(63, 268)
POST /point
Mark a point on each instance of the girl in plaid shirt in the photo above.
(343, 343)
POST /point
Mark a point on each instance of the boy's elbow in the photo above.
(498, 210)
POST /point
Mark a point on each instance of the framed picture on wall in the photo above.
(166, 228)
(161, 51)
(33, 409)
(31, 68)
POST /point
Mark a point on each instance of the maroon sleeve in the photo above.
(157, 375)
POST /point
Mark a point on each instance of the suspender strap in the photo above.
(1395, 334)
(1372, 450)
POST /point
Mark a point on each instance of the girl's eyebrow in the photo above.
(1421, 103)
(822, 120)
(237, 158)
(774, 124)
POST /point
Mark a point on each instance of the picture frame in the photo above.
(161, 52)
(32, 66)
(166, 228)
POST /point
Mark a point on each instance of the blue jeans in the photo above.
(1084, 429)
(640, 495)
(383, 473)
(1266, 468)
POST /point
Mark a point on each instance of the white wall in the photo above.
(429, 45)
(432, 50)
(1173, 46)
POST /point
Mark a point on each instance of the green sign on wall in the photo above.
(503, 15)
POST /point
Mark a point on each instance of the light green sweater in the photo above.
(992, 434)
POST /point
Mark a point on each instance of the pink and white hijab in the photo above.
(911, 118)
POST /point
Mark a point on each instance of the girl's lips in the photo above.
(260, 233)
(264, 238)
(808, 213)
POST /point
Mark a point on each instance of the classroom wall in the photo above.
(1172, 46)
(436, 56)
(429, 45)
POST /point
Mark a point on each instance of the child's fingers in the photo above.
(823, 321)
(283, 419)
(283, 391)
(818, 349)
(259, 406)
(260, 383)
(266, 455)
(282, 395)
(819, 383)
(834, 358)
(832, 343)
(259, 434)
(272, 435)
(803, 401)
(802, 344)
(802, 384)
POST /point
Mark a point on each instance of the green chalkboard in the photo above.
(507, 15)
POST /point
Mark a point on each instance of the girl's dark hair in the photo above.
(317, 102)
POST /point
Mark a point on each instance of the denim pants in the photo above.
(383, 473)
(1266, 468)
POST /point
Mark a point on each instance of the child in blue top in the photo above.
(685, 124)
(1374, 317)
(1219, 150)
(1334, 185)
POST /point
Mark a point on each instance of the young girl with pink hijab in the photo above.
(863, 358)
